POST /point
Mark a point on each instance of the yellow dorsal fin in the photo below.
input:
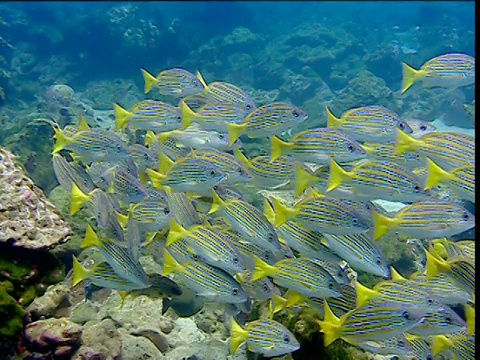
(165, 135)
(405, 142)
(150, 138)
(170, 265)
(434, 265)
(156, 178)
(216, 204)
(235, 131)
(237, 336)
(332, 121)
(80, 273)
(61, 140)
(176, 232)
(395, 275)
(240, 156)
(331, 326)
(303, 179)
(262, 269)
(294, 298)
(368, 148)
(188, 115)
(278, 303)
(165, 163)
(78, 199)
(122, 219)
(440, 343)
(279, 147)
(82, 122)
(282, 212)
(365, 294)
(202, 81)
(91, 238)
(435, 175)
(268, 211)
(121, 117)
(337, 175)
(150, 80)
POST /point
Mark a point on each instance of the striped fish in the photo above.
(169, 147)
(261, 290)
(68, 173)
(267, 120)
(397, 345)
(448, 150)
(247, 220)
(442, 288)
(456, 346)
(449, 70)
(150, 215)
(214, 117)
(322, 214)
(386, 151)
(183, 209)
(425, 220)
(381, 179)
(361, 253)
(369, 123)
(319, 146)
(175, 82)
(143, 157)
(266, 337)
(235, 170)
(210, 246)
(420, 127)
(126, 187)
(439, 322)
(301, 275)
(148, 115)
(117, 257)
(448, 249)
(461, 180)
(420, 348)
(337, 271)
(207, 281)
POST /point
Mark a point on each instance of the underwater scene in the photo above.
(237, 180)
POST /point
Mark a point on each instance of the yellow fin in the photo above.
(176, 232)
(240, 156)
(410, 75)
(123, 295)
(440, 343)
(337, 175)
(188, 115)
(435, 174)
(278, 303)
(368, 149)
(165, 163)
(282, 213)
(237, 336)
(434, 265)
(405, 142)
(82, 122)
(268, 211)
(278, 148)
(165, 135)
(169, 263)
(156, 178)
(332, 121)
(121, 117)
(303, 179)
(91, 238)
(396, 275)
(202, 80)
(470, 318)
(61, 140)
(262, 269)
(150, 80)
(80, 273)
(294, 298)
(438, 250)
(150, 138)
(78, 199)
(122, 219)
(365, 294)
(382, 225)
(234, 131)
(331, 326)
(216, 204)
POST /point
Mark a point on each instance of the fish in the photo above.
(266, 337)
(420, 127)
(447, 249)
(267, 120)
(425, 220)
(338, 272)
(260, 290)
(213, 117)
(451, 71)
(207, 281)
(386, 151)
(360, 252)
(235, 170)
(168, 147)
(442, 288)
(461, 180)
(174, 82)
(143, 157)
(150, 215)
(148, 115)
(449, 150)
(369, 123)
(126, 187)
(381, 179)
(460, 346)
(301, 275)
(397, 345)
(319, 146)
(439, 322)
(68, 173)
(420, 348)
(182, 208)
(323, 214)
(186, 304)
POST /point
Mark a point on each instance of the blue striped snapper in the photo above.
(319, 146)
(143, 157)
(260, 290)
(458, 346)
(182, 208)
(168, 147)
(126, 187)
(207, 281)
(68, 173)
(397, 345)
(150, 215)
(447, 249)
(174, 82)
(369, 123)
(449, 71)
(227, 163)
(425, 220)
(420, 127)
(213, 117)
(419, 347)
(267, 120)
(386, 151)
(266, 337)
(148, 115)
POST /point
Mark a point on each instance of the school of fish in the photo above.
(173, 178)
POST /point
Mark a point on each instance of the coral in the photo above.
(11, 314)
(29, 219)
(47, 305)
(100, 340)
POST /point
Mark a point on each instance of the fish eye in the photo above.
(350, 147)
(221, 136)
(423, 127)
(429, 301)
(448, 319)
(355, 221)
(248, 107)
(194, 82)
(340, 275)
(212, 173)
(465, 216)
(166, 211)
(195, 257)
(401, 126)
(267, 257)
(265, 286)
(379, 262)
(235, 259)
(235, 291)
(286, 338)
(406, 315)
(119, 148)
(295, 113)
(179, 117)
(417, 156)
(145, 156)
(330, 285)
(401, 343)
(270, 237)
(416, 188)
(240, 170)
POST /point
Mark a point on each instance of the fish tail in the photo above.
(330, 326)
(121, 117)
(61, 140)
(122, 219)
(240, 156)
(405, 142)
(164, 136)
(150, 80)
(123, 296)
(176, 232)
(169, 263)
(156, 178)
(303, 179)
(262, 269)
(364, 294)
(80, 273)
(410, 75)
(440, 343)
(434, 265)
(277, 304)
(332, 121)
(234, 132)
(150, 138)
(91, 239)
(278, 147)
(337, 175)
(470, 318)
(78, 199)
(437, 248)
(435, 174)
(268, 211)
(382, 225)
(216, 204)
(188, 115)
(166, 163)
(282, 213)
(395, 275)
(294, 298)
(238, 336)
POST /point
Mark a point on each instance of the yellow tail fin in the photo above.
(278, 148)
(235, 131)
(382, 225)
(282, 213)
(169, 263)
(61, 140)
(150, 80)
(365, 294)
(440, 343)
(91, 238)
(294, 298)
(156, 178)
(337, 175)
(470, 317)
(79, 272)
(278, 303)
(165, 163)
(268, 211)
(262, 269)
(303, 179)
(188, 115)
(122, 219)
(78, 199)
(240, 156)
(405, 142)
(396, 275)
(121, 117)
(237, 336)
(164, 136)
(331, 326)
(176, 232)
(150, 138)
(434, 266)
(332, 121)
(216, 204)
(410, 75)
(436, 175)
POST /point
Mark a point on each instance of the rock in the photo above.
(156, 337)
(100, 341)
(138, 348)
(52, 335)
(28, 219)
(46, 305)
(84, 311)
(212, 349)
(185, 331)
